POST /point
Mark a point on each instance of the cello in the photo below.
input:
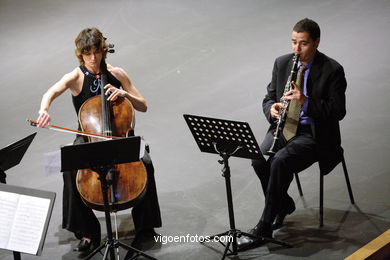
(110, 118)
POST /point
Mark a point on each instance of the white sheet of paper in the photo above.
(23, 222)
(8, 202)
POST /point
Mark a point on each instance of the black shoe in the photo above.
(130, 254)
(141, 237)
(83, 245)
(281, 216)
(135, 244)
(261, 231)
(95, 243)
(278, 221)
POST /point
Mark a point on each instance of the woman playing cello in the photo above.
(84, 82)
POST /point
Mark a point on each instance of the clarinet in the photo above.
(284, 108)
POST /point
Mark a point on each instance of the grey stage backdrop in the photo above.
(210, 58)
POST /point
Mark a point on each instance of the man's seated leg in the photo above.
(261, 168)
(278, 183)
(287, 208)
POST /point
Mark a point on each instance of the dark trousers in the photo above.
(80, 219)
(277, 172)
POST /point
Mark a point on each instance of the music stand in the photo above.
(29, 211)
(100, 157)
(227, 138)
(12, 154)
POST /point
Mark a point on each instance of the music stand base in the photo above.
(236, 233)
(112, 245)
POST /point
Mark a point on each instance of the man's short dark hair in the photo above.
(309, 26)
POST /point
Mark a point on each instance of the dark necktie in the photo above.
(294, 110)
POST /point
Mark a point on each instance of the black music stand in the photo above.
(100, 157)
(227, 138)
(10, 156)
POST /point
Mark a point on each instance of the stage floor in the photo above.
(208, 58)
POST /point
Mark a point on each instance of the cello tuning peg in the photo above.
(110, 48)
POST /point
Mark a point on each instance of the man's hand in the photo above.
(275, 109)
(296, 94)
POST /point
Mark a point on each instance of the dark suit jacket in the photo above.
(326, 87)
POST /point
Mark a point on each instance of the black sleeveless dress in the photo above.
(79, 218)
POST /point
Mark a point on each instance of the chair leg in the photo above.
(347, 180)
(322, 190)
(298, 184)
(321, 200)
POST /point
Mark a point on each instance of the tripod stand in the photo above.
(227, 138)
(100, 157)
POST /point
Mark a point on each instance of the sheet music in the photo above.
(23, 219)
(7, 212)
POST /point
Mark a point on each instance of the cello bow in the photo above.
(72, 131)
